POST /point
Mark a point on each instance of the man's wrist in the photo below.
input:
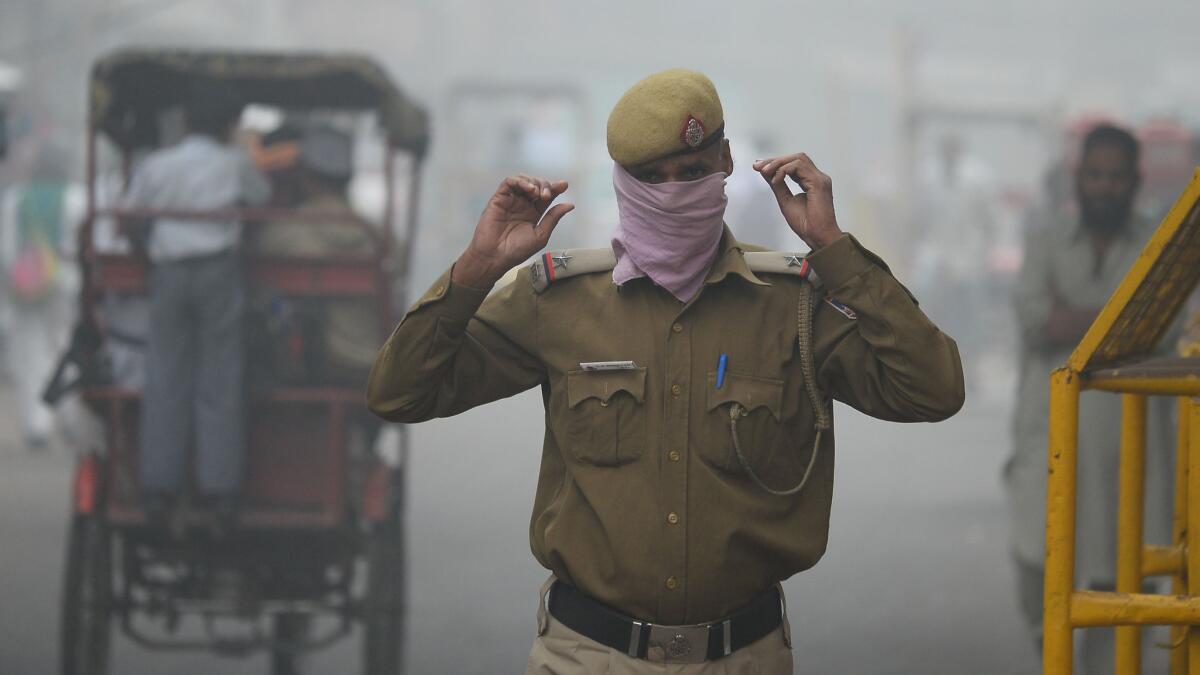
(819, 240)
(472, 272)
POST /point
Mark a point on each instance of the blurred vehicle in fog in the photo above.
(316, 546)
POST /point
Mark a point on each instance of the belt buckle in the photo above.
(678, 644)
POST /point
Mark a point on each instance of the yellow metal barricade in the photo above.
(1113, 357)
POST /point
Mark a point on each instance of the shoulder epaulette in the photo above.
(781, 262)
(553, 266)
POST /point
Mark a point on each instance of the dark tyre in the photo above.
(383, 607)
(86, 631)
(290, 631)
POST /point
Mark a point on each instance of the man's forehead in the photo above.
(1107, 154)
(671, 161)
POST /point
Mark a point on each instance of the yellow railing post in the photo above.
(1130, 518)
(1060, 521)
(1179, 655)
(1193, 533)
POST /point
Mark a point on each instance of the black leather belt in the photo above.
(674, 644)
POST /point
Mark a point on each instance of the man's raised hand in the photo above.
(515, 224)
(809, 213)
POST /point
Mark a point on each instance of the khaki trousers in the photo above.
(558, 650)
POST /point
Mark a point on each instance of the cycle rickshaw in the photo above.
(320, 529)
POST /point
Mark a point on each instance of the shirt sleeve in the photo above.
(254, 186)
(875, 349)
(1034, 296)
(139, 188)
(457, 348)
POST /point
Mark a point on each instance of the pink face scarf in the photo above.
(669, 231)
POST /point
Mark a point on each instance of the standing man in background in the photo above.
(1071, 268)
(194, 387)
(687, 467)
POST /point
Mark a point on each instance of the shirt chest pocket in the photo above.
(759, 402)
(606, 415)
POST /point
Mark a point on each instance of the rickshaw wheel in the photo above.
(86, 631)
(289, 627)
(383, 619)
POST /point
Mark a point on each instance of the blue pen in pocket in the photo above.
(721, 362)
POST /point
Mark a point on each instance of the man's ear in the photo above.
(726, 157)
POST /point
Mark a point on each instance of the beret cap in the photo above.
(670, 112)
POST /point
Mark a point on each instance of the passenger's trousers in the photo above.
(194, 365)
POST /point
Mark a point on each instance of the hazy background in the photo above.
(938, 120)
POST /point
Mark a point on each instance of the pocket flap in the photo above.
(602, 384)
(746, 390)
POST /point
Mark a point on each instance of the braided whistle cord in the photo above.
(804, 334)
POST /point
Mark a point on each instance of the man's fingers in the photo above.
(785, 170)
(771, 164)
(512, 185)
(550, 220)
(523, 186)
(540, 189)
(537, 189)
(782, 192)
(549, 190)
(808, 176)
(766, 164)
(796, 169)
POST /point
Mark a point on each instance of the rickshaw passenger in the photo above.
(349, 328)
(194, 387)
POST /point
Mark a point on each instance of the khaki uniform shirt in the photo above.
(641, 502)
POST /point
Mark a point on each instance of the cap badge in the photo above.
(693, 132)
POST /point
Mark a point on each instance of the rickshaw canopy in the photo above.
(130, 88)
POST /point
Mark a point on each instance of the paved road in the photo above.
(916, 579)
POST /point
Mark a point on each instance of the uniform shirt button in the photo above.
(676, 389)
(672, 518)
(673, 456)
(672, 583)
(678, 328)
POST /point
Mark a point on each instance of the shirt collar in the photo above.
(730, 261)
(1132, 225)
(198, 139)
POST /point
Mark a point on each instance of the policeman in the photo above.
(687, 467)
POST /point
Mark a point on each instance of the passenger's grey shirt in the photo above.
(197, 174)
